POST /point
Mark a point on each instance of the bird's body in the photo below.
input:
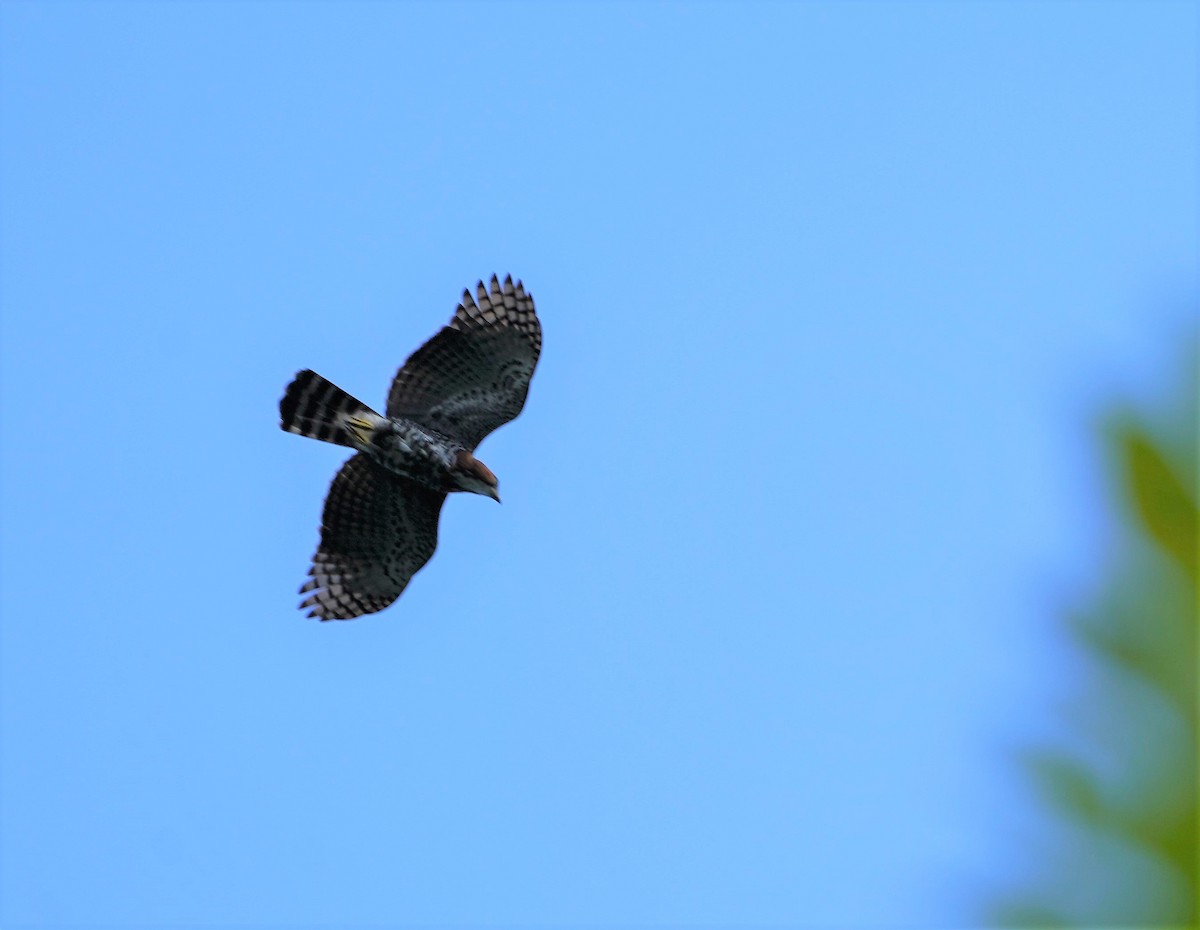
(380, 520)
(405, 448)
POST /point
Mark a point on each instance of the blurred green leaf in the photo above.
(1027, 915)
(1128, 826)
(1163, 504)
(1065, 783)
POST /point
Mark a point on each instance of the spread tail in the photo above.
(314, 407)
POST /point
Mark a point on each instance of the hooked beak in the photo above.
(494, 494)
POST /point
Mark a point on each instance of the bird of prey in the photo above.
(380, 521)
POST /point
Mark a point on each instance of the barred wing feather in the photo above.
(473, 376)
(377, 530)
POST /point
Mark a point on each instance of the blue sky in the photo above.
(831, 295)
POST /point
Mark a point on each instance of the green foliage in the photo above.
(1165, 509)
(1124, 852)
(1066, 784)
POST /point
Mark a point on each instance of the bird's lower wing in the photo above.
(377, 531)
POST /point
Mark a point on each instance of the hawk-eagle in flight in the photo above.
(380, 521)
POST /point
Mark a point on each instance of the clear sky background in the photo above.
(831, 295)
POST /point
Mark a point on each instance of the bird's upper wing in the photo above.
(473, 375)
(377, 530)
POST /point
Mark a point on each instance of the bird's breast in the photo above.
(405, 448)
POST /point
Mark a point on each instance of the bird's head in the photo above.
(472, 475)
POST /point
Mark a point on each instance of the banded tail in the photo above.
(319, 409)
